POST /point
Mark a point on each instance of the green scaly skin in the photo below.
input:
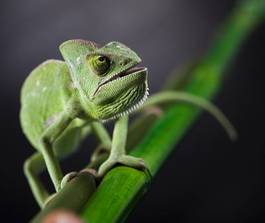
(62, 102)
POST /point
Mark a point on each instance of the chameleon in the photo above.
(64, 101)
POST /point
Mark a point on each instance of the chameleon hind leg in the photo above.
(118, 153)
(105, 142)
(33, 166)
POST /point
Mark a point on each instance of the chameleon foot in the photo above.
(126, 160)
(70, 176)
(67, 178)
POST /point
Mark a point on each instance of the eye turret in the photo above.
(99, 63)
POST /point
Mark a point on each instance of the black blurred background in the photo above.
(207, 178)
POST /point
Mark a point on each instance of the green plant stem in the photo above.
(122, 187)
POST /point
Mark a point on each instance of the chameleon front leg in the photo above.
(118, 153)
(49, 137)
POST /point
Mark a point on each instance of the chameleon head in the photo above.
(107, 78)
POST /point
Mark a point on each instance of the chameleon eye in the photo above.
(99, 63)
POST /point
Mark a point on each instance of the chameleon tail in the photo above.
(169, 96)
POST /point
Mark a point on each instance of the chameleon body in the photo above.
(63, 101)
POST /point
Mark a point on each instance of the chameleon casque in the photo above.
(62, 102)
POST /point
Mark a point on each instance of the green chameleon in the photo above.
(62, 102)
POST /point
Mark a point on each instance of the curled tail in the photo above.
(169, 96)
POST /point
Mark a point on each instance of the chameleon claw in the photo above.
(130, 161)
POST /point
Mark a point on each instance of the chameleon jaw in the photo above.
(120, 75)
(132, 108)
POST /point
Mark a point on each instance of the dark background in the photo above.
(207, 178)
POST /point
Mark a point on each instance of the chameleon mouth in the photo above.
(120, 75)
(124, 73)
